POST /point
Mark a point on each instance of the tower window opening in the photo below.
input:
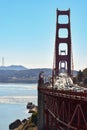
(63, 33)
(63, 49)
(62, 52)
(63, 19)
(62, 66)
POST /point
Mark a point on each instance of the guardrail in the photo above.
(64, 93)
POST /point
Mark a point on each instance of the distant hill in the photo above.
(20, 74)
(13, 67)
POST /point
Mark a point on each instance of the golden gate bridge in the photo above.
(62, 105)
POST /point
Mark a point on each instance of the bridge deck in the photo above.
(64, 93)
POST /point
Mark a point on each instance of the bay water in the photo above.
(13, 101)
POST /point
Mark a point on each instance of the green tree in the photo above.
(85, 73)
(85, 81)
(85, 76)
(34, 118)
(80, 76)
(75, 80)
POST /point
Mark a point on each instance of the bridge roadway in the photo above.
(64, 109)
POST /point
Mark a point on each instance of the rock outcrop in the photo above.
(26, 124)
(15, 124)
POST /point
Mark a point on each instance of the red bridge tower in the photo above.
(61, 109)
(63, 38)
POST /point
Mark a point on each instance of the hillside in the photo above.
(13, 67)
(22, 76)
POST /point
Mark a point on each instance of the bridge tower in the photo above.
(62, 43)
(61, 109)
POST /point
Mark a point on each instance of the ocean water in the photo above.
(13, 101)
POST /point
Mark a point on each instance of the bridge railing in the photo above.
(64, 93)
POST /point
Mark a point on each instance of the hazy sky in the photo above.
(27, 31)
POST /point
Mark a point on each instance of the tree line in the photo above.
(81, 77)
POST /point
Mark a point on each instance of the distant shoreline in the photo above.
(18, 82)
(22, 76)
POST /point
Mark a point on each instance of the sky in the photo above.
(27, 32)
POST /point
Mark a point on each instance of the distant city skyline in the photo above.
(27, 32)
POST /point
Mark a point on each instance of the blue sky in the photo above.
(27, 31)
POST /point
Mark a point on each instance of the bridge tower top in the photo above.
(62, 58)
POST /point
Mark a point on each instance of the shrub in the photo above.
(34, 118)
